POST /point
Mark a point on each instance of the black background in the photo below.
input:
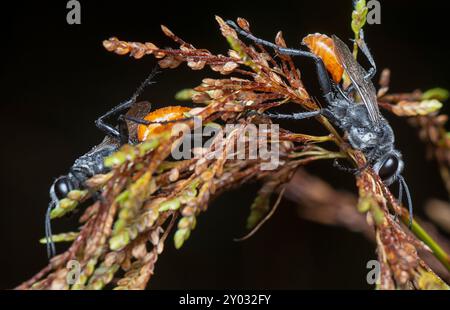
(57, 78)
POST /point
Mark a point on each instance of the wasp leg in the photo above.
(303, 115)
(124, 135)
(249, 113)
(110, 129)
(354, 171)
(372, 70)
(133, 119)
(343, 168)
(330, 116)
(370, 74)
(294, 116)
(345, 93)
(324, 79)
(120, 133)
(363, 47)
(141, 121)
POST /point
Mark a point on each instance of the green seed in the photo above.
(77, 195)
(180, 236)
(173, 204)
(119, 241)
(115, 159)
(122, 197)
(185, 94)
(148, 146)
(64, 237)
(364, 204)
(437, 93)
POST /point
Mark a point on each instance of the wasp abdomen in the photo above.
(164, 114)
(323, 46)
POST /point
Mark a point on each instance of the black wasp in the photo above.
(91, 163)
(367, 129)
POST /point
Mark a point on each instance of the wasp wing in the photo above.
(357, 74)
(138, 110)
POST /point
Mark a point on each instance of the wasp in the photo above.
(367, 130)
(127, 130)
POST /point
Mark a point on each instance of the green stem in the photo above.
(317, 154)
(355, 48)
(337, 138)
(302, 137)
(420, 233)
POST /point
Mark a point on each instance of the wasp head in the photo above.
(59, 190)
(389, 167)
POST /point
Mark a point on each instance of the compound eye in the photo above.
(62, 187)
(389, 168)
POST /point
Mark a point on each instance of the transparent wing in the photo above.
(356, 73)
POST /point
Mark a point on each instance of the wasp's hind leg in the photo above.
(354, 171)
(324, 79)
(121, 133)
(363, 47)
(373, 67)
(341, 167)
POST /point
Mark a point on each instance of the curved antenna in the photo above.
(51, 250)
(408, 198)
(400, 192)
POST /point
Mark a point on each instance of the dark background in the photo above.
(57, 78)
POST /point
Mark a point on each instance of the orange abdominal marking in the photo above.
(323, 46)
(160, 115)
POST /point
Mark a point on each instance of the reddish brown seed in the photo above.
(323, 46)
